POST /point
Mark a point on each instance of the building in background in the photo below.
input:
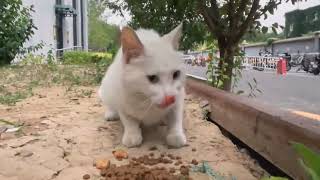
(302, 31)
(295, 46)
(300, 22)
(61, 25)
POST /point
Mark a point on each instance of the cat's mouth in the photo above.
(167, 101)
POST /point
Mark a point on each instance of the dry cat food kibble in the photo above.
(120, 154)
(184, 170)
(102, 164)
(86, 176)
(194, 162)
(148, 167)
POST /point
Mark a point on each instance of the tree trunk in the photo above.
(227, 53)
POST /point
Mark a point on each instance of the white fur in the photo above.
(128, 94)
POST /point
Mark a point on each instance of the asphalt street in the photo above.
(297, 91)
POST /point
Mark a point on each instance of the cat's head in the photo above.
(152, 66)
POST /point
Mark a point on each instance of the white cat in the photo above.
(145, 84)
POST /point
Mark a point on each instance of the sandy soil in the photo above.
(64, 132)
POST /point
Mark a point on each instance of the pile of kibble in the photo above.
(149, 167)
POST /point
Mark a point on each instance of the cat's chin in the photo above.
(161, 106)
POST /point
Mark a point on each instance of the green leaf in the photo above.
(270, 10)
(258, 24)
(309, 158)
(310, 172)
(264, 29)
(225, 77)
(275, 25)
(274, 30)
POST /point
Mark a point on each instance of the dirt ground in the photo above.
(64, 132)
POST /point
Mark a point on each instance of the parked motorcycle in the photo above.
(303, 62)
(297, 61)
(315, 66)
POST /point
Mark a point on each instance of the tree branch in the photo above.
(240, 10)
(270, 4)
(210, 18)
(248, 21)
(231, 13)
(215, 9)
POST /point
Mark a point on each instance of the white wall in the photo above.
(44, 19)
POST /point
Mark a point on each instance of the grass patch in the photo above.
(12, 98)
(19, 80)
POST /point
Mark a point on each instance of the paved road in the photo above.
(296, 91)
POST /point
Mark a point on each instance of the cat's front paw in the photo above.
(176, 139)
(111, 116)
(132, 139)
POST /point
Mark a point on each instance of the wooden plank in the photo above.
(265, 129)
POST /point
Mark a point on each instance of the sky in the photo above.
(286, 7)
(277, 17)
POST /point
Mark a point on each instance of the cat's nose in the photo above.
(167, 101)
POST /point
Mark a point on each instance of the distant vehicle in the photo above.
(315, 66)
(297, 61)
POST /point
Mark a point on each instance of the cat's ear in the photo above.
(131, 44)
(174, 36)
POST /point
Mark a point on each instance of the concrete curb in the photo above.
(265, 129)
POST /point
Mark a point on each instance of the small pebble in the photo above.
(194, 149)
(86, 176)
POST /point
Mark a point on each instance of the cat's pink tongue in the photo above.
(167, 101)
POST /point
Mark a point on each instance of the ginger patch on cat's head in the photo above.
(131, 44)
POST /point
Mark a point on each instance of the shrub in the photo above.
(82, 58)
(16, 28)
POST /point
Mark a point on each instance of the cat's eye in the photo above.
(176, 74)
(153, 78)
